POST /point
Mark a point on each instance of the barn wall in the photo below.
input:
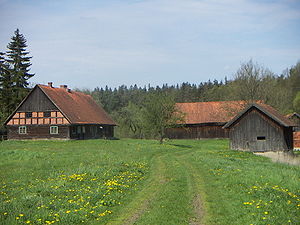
(38, 132)
(244, 134)
(197, 132)
(37, 101)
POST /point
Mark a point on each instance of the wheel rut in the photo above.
(196, 186)
(142, 201)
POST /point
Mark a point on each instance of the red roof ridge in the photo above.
(78, 107)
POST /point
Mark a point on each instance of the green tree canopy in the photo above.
(296, 103)
(160, 113)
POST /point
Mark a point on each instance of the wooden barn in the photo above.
(58, 113)
(259, 127)
(204, 119)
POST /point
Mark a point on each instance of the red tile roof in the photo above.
(78, 107)
(210, 112)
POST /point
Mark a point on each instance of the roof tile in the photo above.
(78, 107)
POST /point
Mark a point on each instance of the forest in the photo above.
(143, 112)
(250, 82)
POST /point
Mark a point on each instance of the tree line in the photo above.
(129, 105)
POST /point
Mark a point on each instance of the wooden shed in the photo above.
(204, 119)
(259, 127)
(58, 113)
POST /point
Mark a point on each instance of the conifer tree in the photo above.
(19, 63)
(6, 85)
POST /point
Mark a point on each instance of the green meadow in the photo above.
(143, 182)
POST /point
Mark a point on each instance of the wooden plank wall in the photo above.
(37, 101)
(243, 135)
(38, 132)
(197, 132)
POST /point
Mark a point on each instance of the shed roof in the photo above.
(209, 112)
(79, 108)
(266, 110)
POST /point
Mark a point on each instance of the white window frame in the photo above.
(22, 130)
(53, 129)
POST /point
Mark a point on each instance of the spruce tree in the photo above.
(19, 63)
(6, 87)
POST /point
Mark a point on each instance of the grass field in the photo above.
(143, 182)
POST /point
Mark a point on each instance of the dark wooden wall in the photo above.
(244, 134)
(91, 131)
(38, 132)
(197, 132)
(37, 101)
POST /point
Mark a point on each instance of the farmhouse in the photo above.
(60, 113)
(204, 119)
(259, 127)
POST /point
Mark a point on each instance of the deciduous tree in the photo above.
(160, 113)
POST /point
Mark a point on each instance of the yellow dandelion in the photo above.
(68, 211)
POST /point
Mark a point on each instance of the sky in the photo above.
(94, 43)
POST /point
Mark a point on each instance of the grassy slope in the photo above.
(142, 182)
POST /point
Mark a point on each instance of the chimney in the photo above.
(65, 87)
(50, 84)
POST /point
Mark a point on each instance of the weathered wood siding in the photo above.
(249, 133)
(197, 132)
(38, 132)
(37, 101)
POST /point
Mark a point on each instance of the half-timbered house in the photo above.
(259, 127)
(48, 112)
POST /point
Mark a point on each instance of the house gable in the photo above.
(37, 101)
(36, 109)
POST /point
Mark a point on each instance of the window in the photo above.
(47, 114)
(261, 138)
(54, 130)
(74, 130)
(22, 130)
(83, 129)
(79, 130)
(28, 114)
